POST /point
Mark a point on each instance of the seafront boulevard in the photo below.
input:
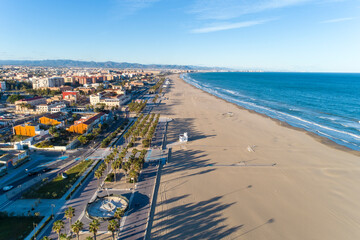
(111, 161)
(134, 223)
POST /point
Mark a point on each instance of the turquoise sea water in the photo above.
(327, 104)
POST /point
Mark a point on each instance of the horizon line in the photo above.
(228, 69)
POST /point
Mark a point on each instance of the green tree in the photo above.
(94, 227)
(77, 227)
(89, 238)
(69, 214)
(133, 175)
(82, 139)
(52, 130)
(126, 167)
(119, 213)
(57, 226)
(107, 161)
(63, 236)
(98, 175)
(13, 98)
(113, 227)
(115, 166)
(137, 166)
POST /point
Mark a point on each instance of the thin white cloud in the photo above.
(336, 20)
(228, 9)
(229, 26)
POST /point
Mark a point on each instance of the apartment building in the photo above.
(27, 129)
(2, 86)
(48, 82)
(86, 125)
(110, 99)
(53, 107)
(27, 105)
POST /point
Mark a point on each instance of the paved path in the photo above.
(133, 224)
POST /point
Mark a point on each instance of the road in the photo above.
(82, 196)
(53, 160)
(135, 222)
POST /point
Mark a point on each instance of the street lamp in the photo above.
(52, 209)
(34, 226)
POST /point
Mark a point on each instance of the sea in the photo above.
(327, 104)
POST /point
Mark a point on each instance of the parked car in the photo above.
(7, 188)
(37, 170)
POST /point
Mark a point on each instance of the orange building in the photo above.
(48, 121)
(78, 128)
(53, 118)
(83, 125)
(26, 129)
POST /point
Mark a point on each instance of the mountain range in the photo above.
(92, 64)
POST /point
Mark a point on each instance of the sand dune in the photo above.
(290, 187)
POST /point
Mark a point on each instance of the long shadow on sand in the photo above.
(201, 220)
(183, 161)
(180, 125)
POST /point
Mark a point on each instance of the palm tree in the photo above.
(133, 175)
(98, 175)
(119, 213)
(115, 165)
(107, 160)
(58, 225)
(126, 167)
(63, 236)
(137, 166)
(94, 227)
(112, 227)
(77, 227)
(69, 214)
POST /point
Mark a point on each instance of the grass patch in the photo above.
(18, 138)
(57, 187)
(44, 144)
(13, 228)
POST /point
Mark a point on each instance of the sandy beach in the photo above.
(244, 176)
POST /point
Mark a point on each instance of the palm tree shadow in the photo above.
(199, 220)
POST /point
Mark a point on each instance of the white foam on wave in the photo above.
(329, 118)
(280, 115)
(353, 125)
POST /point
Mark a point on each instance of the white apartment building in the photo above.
(54, 107)
(48, 82)
(2, 86)
(95, 99)
(109, 101)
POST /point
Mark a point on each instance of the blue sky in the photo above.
(275, 35)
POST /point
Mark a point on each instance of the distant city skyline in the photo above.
(269, 35)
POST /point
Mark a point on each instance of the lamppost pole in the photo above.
(52, 210)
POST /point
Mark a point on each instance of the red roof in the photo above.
(30, 99)
(93, 118)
